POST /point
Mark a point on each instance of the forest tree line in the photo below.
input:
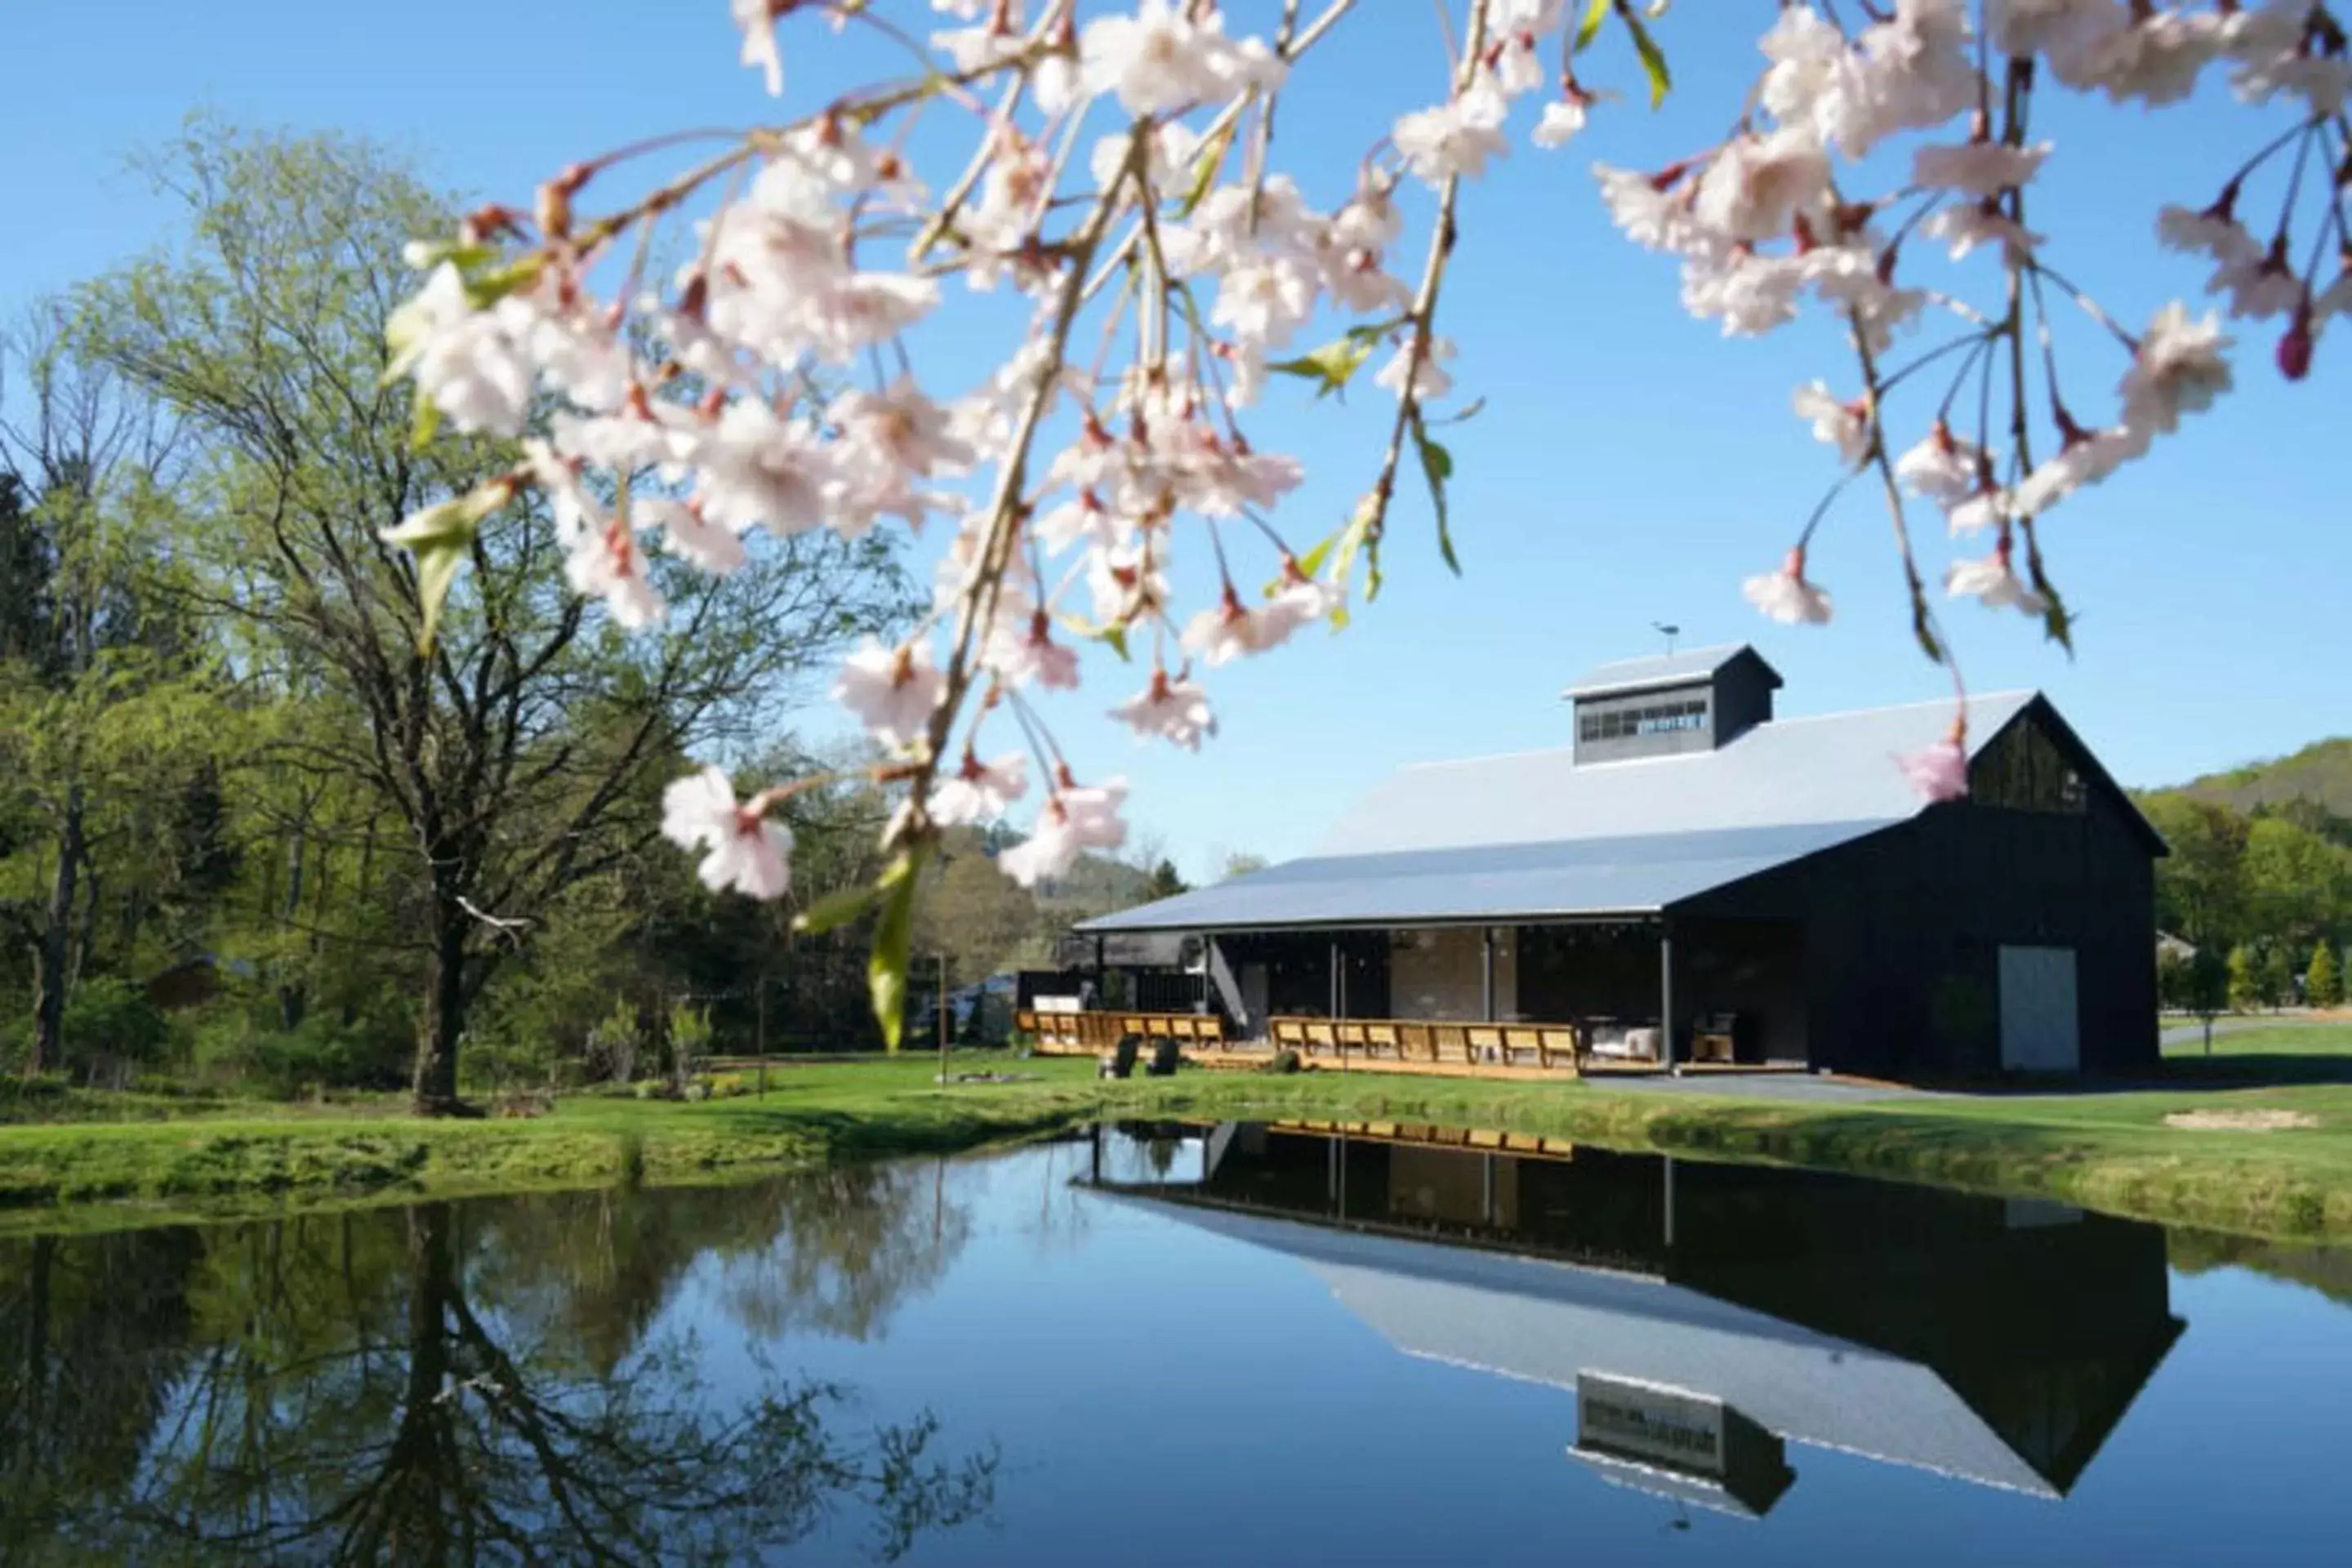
(253, 829)
(2263, 895)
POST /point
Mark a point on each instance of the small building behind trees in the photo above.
(1692, 879)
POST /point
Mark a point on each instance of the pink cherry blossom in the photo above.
(1074, 820)
(1845, 425)
(1785, 596)
(980, 792)
(1940, 771)
(1175, 710)
(2182, 365)
(1991, 581)
(744, 850)
(757, 20)
(891, 690)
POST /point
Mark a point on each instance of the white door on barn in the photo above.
(2040, 1027)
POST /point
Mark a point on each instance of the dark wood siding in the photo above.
(1904, 928)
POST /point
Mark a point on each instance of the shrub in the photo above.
(613, 1042)
(689, 1041)
(2323, 982)
(110, 1028)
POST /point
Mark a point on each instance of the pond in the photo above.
(1372, 1343)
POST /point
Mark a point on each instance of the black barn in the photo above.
(1693, 881)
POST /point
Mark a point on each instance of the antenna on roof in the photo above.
(1668, 631)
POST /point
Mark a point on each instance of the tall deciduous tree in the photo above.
(95, 665)
(523, 749)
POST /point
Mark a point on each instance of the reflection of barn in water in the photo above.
(1706, 1314)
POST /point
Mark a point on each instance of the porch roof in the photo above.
(1535, 836)
(1635, 875)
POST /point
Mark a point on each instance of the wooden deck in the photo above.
(1509, 1051)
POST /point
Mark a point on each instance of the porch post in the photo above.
(1339, 982)
(1665, 992)
(1486, 972)
(1101, 973)
(1205, 940)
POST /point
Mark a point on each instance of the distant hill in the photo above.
(2316, 779)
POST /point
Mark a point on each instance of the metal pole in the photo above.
(1338, 1001)
(1486, 975)
(943, 1017)
(763, 1031)
(1666, 993)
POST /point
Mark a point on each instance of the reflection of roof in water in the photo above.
(1547, 1322)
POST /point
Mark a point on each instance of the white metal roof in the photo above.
(1536, 836)
(1662, 669)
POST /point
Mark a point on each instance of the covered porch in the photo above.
(1648, 993)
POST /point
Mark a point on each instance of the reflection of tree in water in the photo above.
(848, 1245)
(91, 1333)
(438, 1385)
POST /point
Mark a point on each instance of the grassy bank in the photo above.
(2107, 1150)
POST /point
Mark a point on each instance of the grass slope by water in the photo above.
(2109, 1151)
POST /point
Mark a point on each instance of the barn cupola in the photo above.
(1672, 703)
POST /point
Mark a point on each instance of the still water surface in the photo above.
(1222, 1345)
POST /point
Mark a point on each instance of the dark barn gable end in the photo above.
(1693, 881)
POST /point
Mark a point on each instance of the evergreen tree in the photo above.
(2245, 984)
(2274, 978)
(2323, 982)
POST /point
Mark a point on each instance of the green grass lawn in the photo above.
(2111, 1150)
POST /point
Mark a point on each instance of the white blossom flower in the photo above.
(693, 538)
(1167, 56)
(1942, 467)
(1175, 710)
(1750, 293)
(1429, 380)
(1650, 211)
(2181, 366)
(2085, 459)
(1991, 580)
(605, 563)
(757, 21)
(1785, 596)
(1980, 168)
(1758, 183)
(1457, 137)
(2212, 232)
(891, 690)
(2154, 58)
(1964, 225)
(980, 792)
(746, 851)
(2064, 29)
(465, 362)
(1220, 635)
(1845, 425)
(755, 469)
(2259, 286)
(1564, 116)
(1074, 820)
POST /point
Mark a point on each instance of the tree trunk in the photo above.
(49, 977)
(293, 995)
(435, 1084)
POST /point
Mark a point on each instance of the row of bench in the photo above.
(1402, 1041)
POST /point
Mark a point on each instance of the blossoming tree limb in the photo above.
(1122, 177)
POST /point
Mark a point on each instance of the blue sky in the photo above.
(1630, 466)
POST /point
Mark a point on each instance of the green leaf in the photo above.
(1437, 466)
(427, 425)
(1590, 28)
(1332, 364)
(1207, 162)
(1356, 539)
(1654, 60)
(1312, 562)
(835, 909)
(440, 537)
(894, 934)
